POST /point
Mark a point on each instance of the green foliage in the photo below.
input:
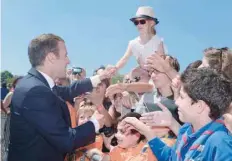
(117, 78)
(7, 77)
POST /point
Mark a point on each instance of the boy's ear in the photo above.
(138, 134)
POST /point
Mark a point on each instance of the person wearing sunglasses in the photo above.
(147, 43)
(78, 73)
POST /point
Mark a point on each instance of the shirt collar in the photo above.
(199, 132)
(48, 79)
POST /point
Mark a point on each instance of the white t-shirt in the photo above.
(142, 51)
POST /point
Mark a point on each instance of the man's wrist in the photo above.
(95, 80)
(102, 77)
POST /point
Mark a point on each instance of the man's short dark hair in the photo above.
(207, 85)
(40, 46)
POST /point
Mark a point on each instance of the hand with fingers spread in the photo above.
(158, 118)
(133, 123)
(109, 72)
(161, 118)
(94, 97)
(126, 100)
(157, 62)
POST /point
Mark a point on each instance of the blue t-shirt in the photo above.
(4, 92)
(218, 146)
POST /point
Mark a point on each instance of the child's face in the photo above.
(84, 117)
(126, 141)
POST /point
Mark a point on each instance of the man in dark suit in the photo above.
(40, 121)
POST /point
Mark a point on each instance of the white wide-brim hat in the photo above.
(146, 12)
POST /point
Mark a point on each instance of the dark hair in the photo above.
(220, 59)
(101, 67)
(40, 46)
(174, 63)
(136, 115)
(227, 63)
(214, 58)
(207, 85)
(194, 64)
(15, 81)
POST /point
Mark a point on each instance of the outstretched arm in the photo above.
(125, 58)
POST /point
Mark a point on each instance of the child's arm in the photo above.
(7, 100)
(108, 119)
(125, 58)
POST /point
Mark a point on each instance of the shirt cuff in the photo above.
(96, 124)
(95, 80)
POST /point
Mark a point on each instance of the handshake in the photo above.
(109, 72)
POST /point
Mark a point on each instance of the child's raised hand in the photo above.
(161, 50)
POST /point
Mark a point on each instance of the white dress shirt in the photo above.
(95, 80)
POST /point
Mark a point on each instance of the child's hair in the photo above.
(85, 108)
(136, 115)
(194, 64)
(174, 63)
(220, 59)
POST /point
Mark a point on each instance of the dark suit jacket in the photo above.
(40, 121)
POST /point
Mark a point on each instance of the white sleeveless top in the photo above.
(142, 51)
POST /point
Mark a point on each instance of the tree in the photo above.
(7, 77)
(117, 78)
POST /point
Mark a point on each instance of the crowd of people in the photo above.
(155, 113)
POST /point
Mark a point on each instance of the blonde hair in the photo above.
(220, 59)
(86, 108)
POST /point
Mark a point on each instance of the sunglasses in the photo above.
(135, 79)
(142, 22)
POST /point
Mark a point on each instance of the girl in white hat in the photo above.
(147, 43)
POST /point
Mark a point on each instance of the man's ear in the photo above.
(51, 57)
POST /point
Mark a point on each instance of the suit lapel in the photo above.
(61, 102)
